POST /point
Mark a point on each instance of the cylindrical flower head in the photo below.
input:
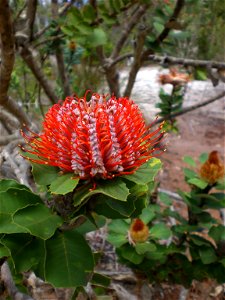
(212, 170)
(138, 231)
(99, 138)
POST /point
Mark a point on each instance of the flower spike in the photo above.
(96, 139)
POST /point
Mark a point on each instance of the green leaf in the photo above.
(124, 208)
(68, 30)
(4, 251)
(158, 27)
(160, 231)
(97, 38)
(84, 28)
(69, 260)
(25, 250)
(220, 185)
(6, 184)
(200, 74)
(189, 173)
(130, 254)
(213, 200)
(119, 226)
(217, 233)
(189, 160)
(117, 239)
(37, 220)
(93, 222)
(12, 201)
(114, 188)
(89, 13)
(203, 158)
(207, 255)
(63, 184)
(147, 214)
(74, 16)
(146, 173)
(142, 248)
(44, 175)
(200, 183)
(99, 279)
(165, 199)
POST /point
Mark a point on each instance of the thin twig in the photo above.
(61, 13)
(6, 278)
(163, 35)
(7, 62)
(193, 107)
(50, 39)
(31, 13)
(128, 28)
(28, 57)
(170, 60)
(20, 11)
(4, 140)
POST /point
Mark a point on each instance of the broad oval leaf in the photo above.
(63, 184)
(189, 160)
(37, 220)
(6, 184)
(130, 254)
(44, 175)
(69, 260)
(146, 173)
(200, 183)
(26, 251)
(12, 201)
(160, 231)
(115, 189)
(142, 248)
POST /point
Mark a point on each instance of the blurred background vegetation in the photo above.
(73, 46)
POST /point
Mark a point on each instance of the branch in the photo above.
(50, 39)
(59, 57)
(166, 30)
(6, 278)
(186, 62)
(31, 12)
(20, 11)
(61, 13)
(178, 7)
(28, 57)
(137, 61)
(188, 109)
(128, 28)
(8, 121)
(7, 62)
(4, 140)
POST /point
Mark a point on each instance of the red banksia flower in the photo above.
(212, 170)
(138, 231)
(100, 138)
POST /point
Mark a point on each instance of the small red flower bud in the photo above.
(212, 170)
(138, 231)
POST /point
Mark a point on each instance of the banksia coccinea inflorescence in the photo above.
(96, 139)
(212, 170)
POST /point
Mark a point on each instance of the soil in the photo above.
(199, 131)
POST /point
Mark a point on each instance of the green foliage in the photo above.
(169, 105)
(190, 249)
(35, 235)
